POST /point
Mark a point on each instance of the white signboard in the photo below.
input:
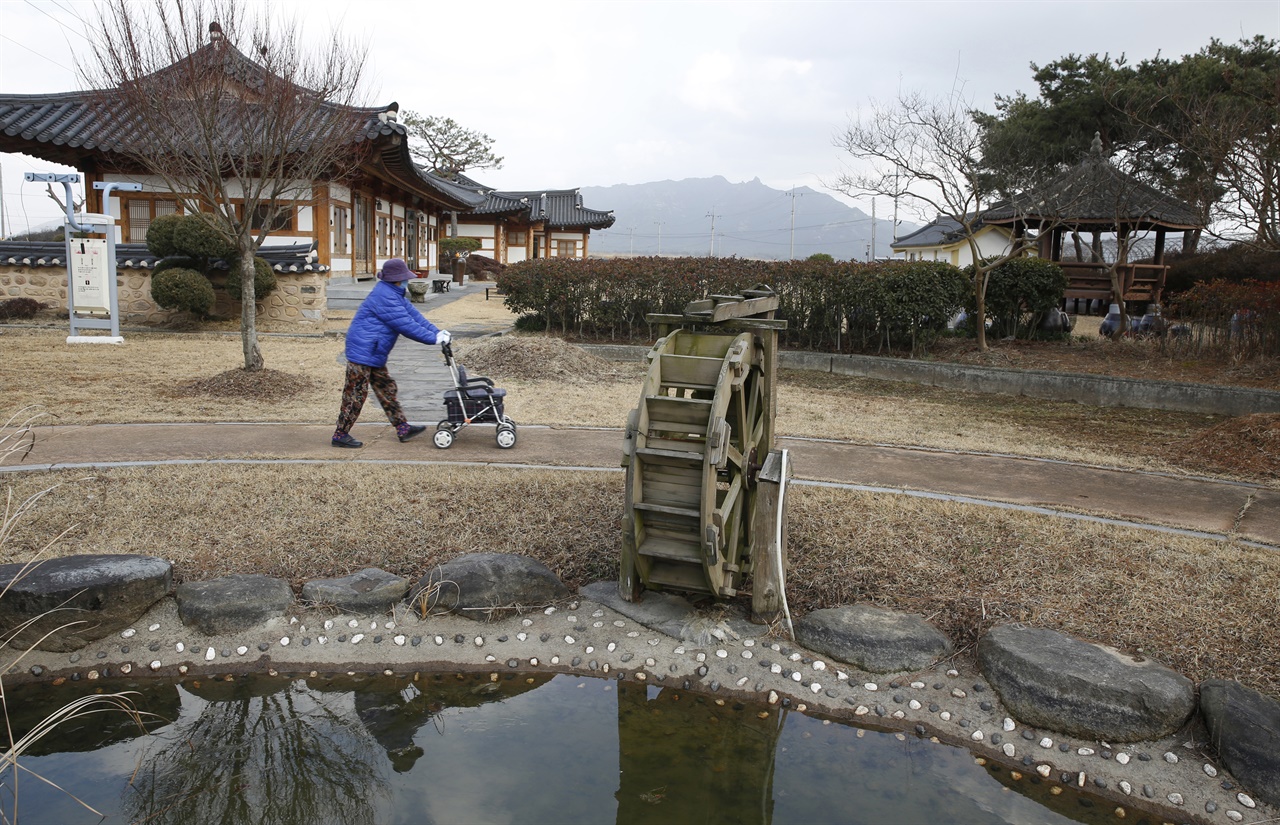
(90, 269)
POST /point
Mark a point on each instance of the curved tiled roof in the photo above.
(73, 126)
(1096, 192)
(557, 208)
(299, 257)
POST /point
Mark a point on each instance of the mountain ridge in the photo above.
(752, 220)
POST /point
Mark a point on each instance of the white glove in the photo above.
(443, 337)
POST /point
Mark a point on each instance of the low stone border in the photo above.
(664, 640)
(1097, 390)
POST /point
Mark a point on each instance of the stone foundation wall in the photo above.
(299, 297)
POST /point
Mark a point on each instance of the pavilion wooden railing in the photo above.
(1142, 282)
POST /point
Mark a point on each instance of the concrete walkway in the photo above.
(1214, 507)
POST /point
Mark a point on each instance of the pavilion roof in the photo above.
(1095, 192)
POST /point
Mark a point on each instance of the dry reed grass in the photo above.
(1205, 608)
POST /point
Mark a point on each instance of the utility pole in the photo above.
(873, 228)
(632, 231)
(793, 194)
(712, 215)
(659, 225)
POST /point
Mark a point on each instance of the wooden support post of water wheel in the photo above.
(694, 448)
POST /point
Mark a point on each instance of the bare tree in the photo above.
(928, 151)
(230, 111)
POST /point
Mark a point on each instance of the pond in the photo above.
(497, 748)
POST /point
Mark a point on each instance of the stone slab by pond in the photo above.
(872, 638)
(232, 603)
(1244, 726)
(100, 593)
(368, 591)
(673, 615)
(482, 585)
(1063, 684)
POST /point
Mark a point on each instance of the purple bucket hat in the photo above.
(396, 270)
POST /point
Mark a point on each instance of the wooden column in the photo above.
(1163, 272)
(768, 557)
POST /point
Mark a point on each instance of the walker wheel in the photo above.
(443, 439)
(506, 436)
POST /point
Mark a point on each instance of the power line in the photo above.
(36, 53)
(59, 22)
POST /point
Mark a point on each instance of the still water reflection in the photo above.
(451, 748)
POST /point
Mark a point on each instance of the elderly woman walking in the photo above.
(382, 318)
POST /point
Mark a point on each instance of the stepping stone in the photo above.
(481, 585)
(232, 603)
(872, 638)
(95, 595)
(1244, 726)
(369, 591)
(1053, 681)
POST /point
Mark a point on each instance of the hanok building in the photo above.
(517, 226)
(946, 239)
(389, 208)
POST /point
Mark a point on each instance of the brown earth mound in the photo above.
(1246, 446)
(530, 358)
(263, 385)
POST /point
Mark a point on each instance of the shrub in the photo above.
(1020, 292)
(183, 289)
(191, 236)
(1235, 263)
(160, 235)
(459, 246)
(264, 278)
(177, 262)
(1238, 319)
(23, 309)
(828, 305)
(821, 256)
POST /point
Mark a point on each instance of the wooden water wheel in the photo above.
(695, 446)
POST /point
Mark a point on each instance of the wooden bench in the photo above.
(440, 285)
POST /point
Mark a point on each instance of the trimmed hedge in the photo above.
(182, 289)
(264, 279)
(191, 236)
(1020, 292)
(838, 306)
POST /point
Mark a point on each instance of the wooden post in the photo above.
(768, 558)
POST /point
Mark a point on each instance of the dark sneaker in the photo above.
(413, 432)
(346, 441)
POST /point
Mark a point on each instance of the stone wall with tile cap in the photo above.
(299, 297)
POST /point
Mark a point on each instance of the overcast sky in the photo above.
(598, 93)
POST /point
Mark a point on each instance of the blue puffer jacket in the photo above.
(383, 317)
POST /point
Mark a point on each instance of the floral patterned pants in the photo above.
(356, 390)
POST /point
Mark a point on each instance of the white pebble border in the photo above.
(932, 704)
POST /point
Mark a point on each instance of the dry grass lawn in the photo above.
(1205, 608)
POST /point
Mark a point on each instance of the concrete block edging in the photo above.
(1096, 390)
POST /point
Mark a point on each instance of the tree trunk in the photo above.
(980, 316)
(249, 307)
(1190, 241)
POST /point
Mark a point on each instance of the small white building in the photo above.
(945, 240)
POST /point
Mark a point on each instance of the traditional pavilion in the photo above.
(1096, 197)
